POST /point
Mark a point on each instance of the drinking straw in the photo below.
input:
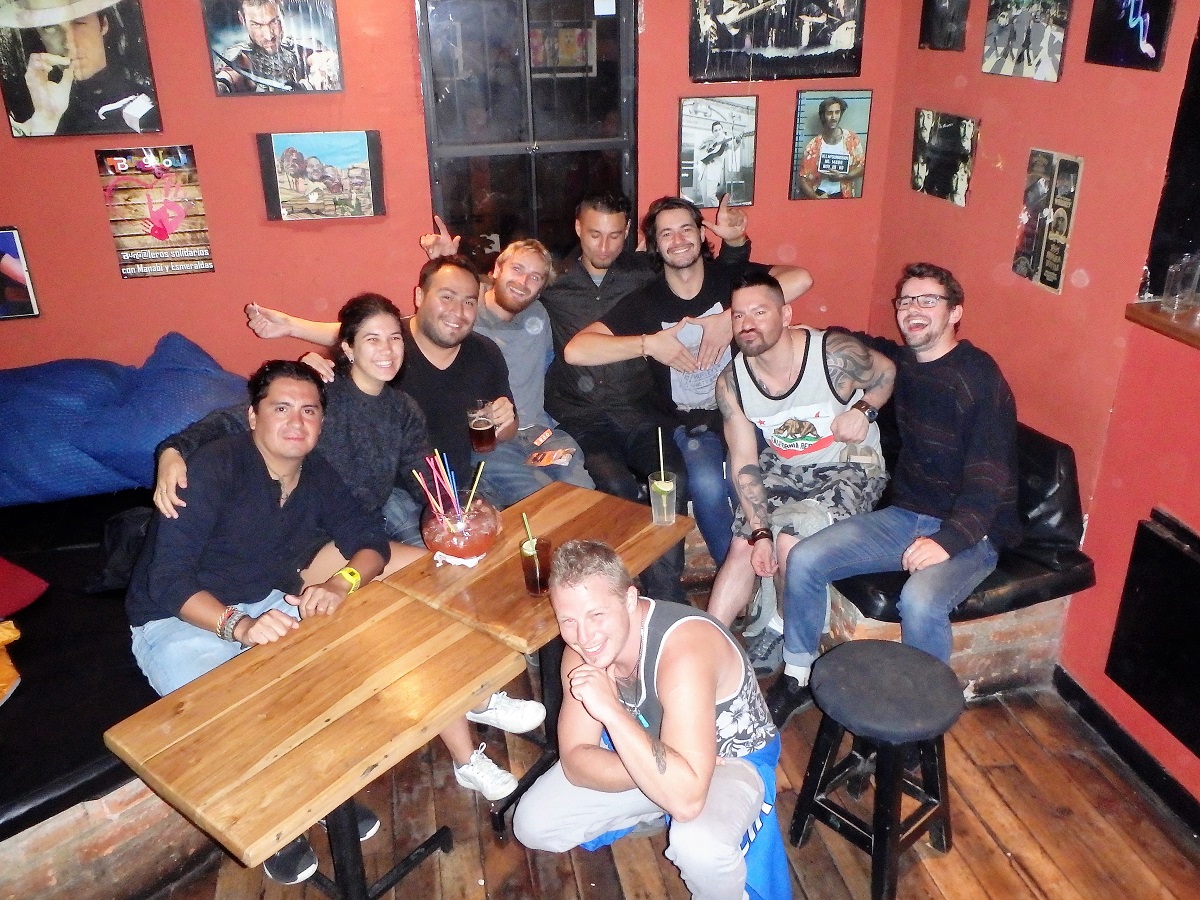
(662, 468)
(433, 503)
(475, 484)
(528, 531)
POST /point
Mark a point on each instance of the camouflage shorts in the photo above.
(804, 499)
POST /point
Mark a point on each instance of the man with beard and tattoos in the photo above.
(811, 397)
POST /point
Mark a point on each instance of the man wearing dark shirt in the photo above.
(954, 504)
(225, 574)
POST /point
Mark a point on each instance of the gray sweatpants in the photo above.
(556, 815)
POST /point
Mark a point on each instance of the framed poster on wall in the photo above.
(716, 149)
(321, 175)
(830, 147)
(765, 40)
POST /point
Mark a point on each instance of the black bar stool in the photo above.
(893, 699)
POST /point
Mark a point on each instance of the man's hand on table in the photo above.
(320, 599)
(266, 629)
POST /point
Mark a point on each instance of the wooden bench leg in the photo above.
(885, 827)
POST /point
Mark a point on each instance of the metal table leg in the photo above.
(350, 876)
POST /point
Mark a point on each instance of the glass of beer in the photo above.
(662, 497)
(535, 564)
(482, 426)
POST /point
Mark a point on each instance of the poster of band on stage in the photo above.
(1047, 214)
(155, 210)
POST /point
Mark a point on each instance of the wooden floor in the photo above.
(1040, 809)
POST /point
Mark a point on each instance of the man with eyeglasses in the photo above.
(954, 489)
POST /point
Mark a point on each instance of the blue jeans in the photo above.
(874, 542)
(712, 495)
(171, 652)
(507, 477)
(402, 518)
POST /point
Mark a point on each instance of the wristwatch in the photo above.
(867, 410)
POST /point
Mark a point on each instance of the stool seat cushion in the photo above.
(887, 692)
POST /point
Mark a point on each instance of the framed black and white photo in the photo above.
(16, 288)
(1024, 39)
(830, 146)
(1131, 34)
(716, 149)
(944, 148)
(273, 46)
(943, 24)
(765, 40)
(76, 67)
(322, 175)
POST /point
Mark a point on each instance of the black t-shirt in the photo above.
(478, 372)
(654, 307)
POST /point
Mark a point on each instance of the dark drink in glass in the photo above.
(482, 427)
(535, 563)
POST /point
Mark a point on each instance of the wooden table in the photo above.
(257, 750)
(492, 596)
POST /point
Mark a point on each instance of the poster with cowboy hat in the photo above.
(76, 67)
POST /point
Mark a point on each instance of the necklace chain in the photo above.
(284, 490)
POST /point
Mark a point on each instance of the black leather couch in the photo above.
(1045, 565)
(78, 674)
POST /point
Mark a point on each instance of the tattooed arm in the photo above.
(852, 366)
(674, 769)
(741, 437)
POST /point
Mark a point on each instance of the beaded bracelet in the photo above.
(225, 614)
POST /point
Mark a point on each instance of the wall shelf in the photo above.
(1183, 326)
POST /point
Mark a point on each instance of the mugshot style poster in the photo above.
(79, 67)
(273, 46)
(765, 40)
(716, 149)
(1025, 40)
(1131, 34)
(944, 147)
(829, 148)
(17, 300)
(155, 210)
(1046, 218)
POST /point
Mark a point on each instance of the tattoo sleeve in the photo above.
(849, 364)
(752, 494)
(726, 394)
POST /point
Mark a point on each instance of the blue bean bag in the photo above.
(78, 427)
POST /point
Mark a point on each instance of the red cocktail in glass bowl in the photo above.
(463, 536)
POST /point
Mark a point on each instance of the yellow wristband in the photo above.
(351, 575)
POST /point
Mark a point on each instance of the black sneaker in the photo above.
(368, 822)
(295, 863)
(785, 697)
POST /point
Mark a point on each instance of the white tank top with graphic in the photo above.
(796, 424)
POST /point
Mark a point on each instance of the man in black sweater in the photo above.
(954, 501)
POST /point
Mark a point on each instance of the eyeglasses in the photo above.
(925, 301)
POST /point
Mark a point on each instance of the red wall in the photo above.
(1149, 460)
(52, 194)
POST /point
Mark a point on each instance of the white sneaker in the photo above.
(509, 714)
(483, 775)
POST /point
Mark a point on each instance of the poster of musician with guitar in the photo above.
(716, 149)
(743, 40)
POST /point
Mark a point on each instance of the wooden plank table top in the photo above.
(492, 595)
(257, 750)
